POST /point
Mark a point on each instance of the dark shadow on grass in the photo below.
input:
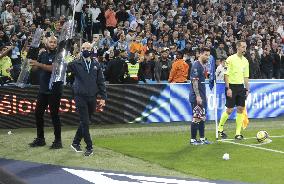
(29, 170)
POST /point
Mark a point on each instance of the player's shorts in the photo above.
(198, 111)
(238, 96)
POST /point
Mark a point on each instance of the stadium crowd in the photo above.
(137, 40)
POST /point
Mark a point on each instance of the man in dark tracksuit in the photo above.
(198, 98)
(46, 96)
(89, 83)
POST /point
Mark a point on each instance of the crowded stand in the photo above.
(138, 41)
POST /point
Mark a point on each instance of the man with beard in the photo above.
(198, 98)
(236, 88)
(163, 67)
(47, 97)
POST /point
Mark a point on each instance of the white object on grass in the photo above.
(226, 156)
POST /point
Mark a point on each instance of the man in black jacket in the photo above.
(116, 69)
(88, 85)
(254, 66)
(279, 63)
(121, 15)
(146, 68)
(266, 62)
(46, 96)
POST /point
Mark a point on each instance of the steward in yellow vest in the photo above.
(133, 70)
(5, 67)
(131, 75)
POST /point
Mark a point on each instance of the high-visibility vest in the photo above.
(5, 63)
(133, 70)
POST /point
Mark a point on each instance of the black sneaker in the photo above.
(76, 148)
(88, 152)
(222, 135)
(38, 142)
(56, 145)
(239, 137)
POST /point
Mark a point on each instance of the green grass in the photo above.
(171, 150)
(16, 147)
(161, 149)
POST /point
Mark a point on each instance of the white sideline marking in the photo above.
(251, 146)
(267, 141)
(98, 177)
(278, 136)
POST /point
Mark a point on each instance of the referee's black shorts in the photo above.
(238, 96)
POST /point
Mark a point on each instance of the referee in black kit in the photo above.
(88, 85)
(46, 96)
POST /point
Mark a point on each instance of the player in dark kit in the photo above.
(198, 98)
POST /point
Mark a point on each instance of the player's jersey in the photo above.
(236, 68)
(198, 73)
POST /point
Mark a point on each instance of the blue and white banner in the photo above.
(143, 103)
(266, 99)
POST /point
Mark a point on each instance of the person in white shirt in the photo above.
(220, 69)
(95, 11)
(78, 12)
(8, 13)
(29, 14)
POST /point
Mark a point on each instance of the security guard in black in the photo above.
(47, 97)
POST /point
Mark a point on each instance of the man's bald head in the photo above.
(52, 37)
(51, 42)
(86, 46)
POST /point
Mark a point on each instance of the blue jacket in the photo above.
(89, 78)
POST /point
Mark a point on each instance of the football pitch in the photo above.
(163, 150)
